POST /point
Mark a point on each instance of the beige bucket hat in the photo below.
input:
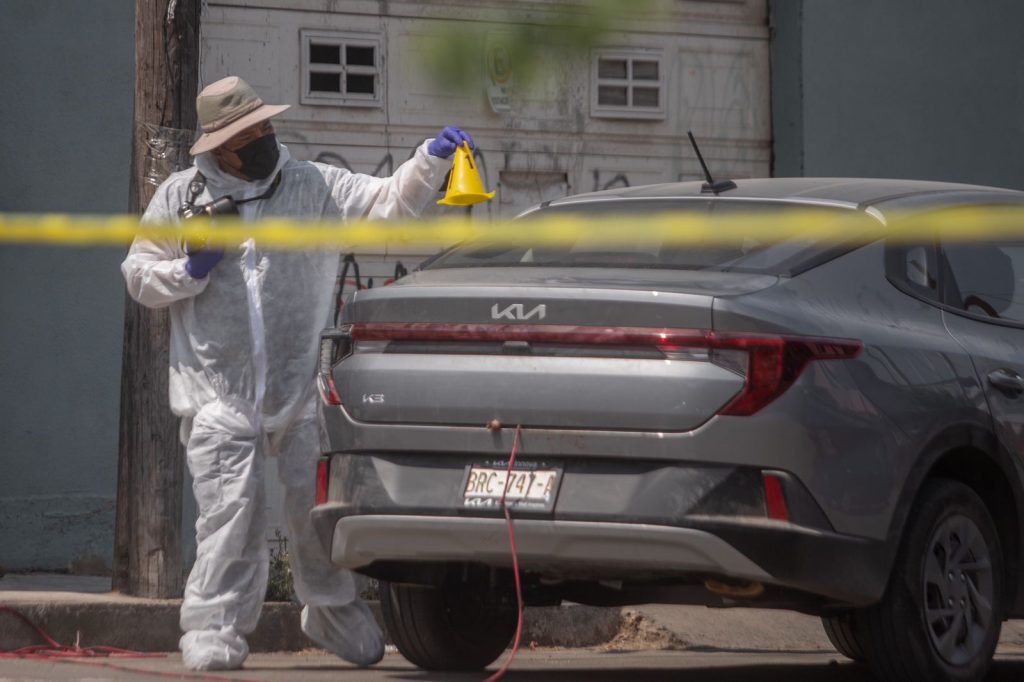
(226, 108)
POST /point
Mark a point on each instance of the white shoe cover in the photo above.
(222, 649)
(349, 632)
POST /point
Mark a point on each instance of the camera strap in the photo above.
(198, 184)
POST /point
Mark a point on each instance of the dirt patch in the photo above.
(639, 633)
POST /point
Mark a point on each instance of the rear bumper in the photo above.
(630, 522)
(560, 546)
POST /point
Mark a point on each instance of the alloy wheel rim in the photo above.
(958, 590)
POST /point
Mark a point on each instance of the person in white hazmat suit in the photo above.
(243, 349)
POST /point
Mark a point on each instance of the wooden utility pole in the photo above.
(147, 537)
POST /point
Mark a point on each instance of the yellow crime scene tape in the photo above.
(969, 223)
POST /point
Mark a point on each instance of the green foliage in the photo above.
(456, 56)
(280, 585)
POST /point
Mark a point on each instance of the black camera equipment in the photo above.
(225, 205)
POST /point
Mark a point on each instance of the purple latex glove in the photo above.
(201, 261)
(447, 141)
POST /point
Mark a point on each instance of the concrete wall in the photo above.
(930, 89)
(66, 73)
(715, 81)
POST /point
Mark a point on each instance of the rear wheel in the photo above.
(460, 627)
(942, 612)
(844, 635)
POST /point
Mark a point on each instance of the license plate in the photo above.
(533, 486)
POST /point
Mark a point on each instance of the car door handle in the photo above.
(1007, 380)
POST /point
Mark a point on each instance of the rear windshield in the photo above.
(748, 254)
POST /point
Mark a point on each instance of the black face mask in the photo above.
(259, 157)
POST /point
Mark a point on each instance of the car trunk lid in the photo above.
(620, 350)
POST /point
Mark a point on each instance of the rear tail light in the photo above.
(328, 391)
(335, 344)
(775, 362)
(770, 364)
(775, 497)
(323, 470)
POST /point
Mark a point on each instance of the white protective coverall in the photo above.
(243, 384)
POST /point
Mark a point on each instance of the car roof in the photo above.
(854, 193)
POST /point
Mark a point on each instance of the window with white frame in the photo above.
(341, 68)
(627, 84)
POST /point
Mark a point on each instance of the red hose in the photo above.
(515, 562)
(54, 649)
(56, 652)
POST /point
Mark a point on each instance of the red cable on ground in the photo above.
(54, 649)
(515, 561)
(58, 653)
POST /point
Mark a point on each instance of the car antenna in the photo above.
(710, 186)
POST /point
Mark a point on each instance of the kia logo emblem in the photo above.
(517, 311)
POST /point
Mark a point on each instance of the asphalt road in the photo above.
(549, 665)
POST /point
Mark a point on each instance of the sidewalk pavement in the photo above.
(79, 608)
(74, 608)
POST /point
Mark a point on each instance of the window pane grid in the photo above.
(340, 71)
(628, 85)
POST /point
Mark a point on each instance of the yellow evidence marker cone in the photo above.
(464, 184)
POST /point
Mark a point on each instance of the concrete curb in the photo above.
(152, 624)
(141, 625)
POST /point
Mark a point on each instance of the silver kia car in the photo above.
(833, 427)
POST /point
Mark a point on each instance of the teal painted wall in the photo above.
(929, 89)
(67, 77)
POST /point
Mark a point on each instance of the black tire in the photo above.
(844, 635)
(933, 624)
(452, 628)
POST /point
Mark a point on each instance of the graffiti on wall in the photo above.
(346, 283)
(350, 264)
(510, 201)
(618, 180)
(384, 168)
